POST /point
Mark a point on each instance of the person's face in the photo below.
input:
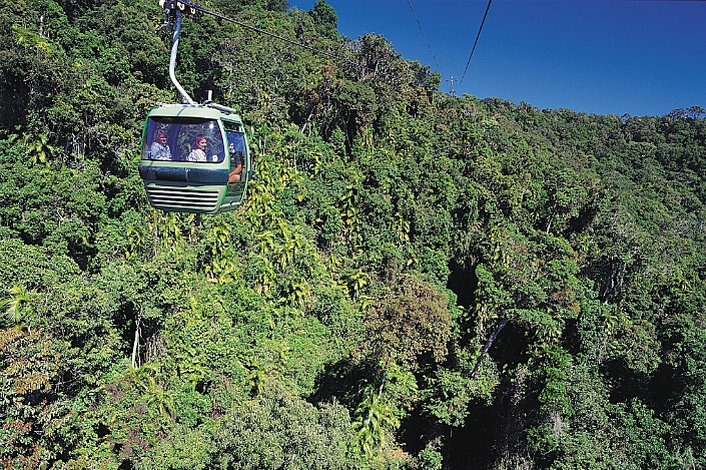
(163, 138)
(202, 144)
(231, 147)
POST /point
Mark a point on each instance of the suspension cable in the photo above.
(475, 42)
(189, 6)
(409, 2)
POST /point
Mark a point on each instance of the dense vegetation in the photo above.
(416, 281)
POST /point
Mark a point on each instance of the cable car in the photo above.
(195, 158)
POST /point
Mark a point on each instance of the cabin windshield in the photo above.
(183, 140)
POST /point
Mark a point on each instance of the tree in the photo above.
(32, 411)
(410, 318)
(325, 18)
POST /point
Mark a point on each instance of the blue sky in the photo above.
(596, 56)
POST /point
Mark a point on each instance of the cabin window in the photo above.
(183, 140)
(237, 152)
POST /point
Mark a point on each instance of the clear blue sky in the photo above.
(597, 56)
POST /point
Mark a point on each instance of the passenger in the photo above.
(198, 150)
(159, 150)
(236, 164)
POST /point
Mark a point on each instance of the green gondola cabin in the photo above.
(195, 158)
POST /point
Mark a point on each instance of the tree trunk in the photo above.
(487, 346)
(136, 342)
(382, 384)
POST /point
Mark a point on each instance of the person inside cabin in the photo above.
(236, 164)
(159, 150)
(198, 150)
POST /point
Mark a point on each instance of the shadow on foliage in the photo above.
(626, 383)
(463, 283)
(342, 382)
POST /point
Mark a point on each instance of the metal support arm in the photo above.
(172, 60)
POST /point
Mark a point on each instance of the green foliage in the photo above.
(278, 430)
(429, 458)
(32, 412)
(18, 305)
(375, 418)
(324, 17)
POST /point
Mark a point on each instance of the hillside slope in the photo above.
(416, 281)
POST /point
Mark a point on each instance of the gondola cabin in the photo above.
(195, 158)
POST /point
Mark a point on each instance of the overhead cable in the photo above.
(197, 7)
(436, 63)
(475, 42)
